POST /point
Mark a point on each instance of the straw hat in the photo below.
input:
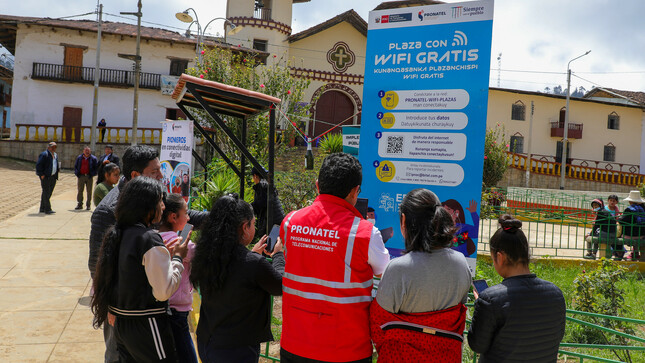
(634, 196)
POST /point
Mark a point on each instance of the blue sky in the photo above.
(536, 37)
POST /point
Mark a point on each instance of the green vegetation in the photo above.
(331, 143)
(495, 156)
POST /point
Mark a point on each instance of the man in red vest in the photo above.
(331, 255)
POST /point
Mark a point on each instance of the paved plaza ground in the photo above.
(44, 281)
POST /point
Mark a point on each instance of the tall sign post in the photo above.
(425, 100)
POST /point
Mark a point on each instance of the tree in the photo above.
(241, 69)
(495, 156)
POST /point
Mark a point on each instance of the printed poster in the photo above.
(176, 156)
(424, 113)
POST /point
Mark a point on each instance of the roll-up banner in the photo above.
(424, 113)
(176, 156)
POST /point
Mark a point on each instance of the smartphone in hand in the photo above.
(273, 238)
(480, 285)
(184, 232)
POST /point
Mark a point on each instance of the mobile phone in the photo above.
(361, 206)
(273, 238)
(480, 285)
(187, 228)
(387, 233)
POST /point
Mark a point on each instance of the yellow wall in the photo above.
(593, 116)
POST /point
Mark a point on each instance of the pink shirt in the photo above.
(182, 299)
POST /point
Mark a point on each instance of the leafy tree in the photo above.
(244, 70)
(495, 156)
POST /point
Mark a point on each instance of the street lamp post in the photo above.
(186, 18)
(565, 140)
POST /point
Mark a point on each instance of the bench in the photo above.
(604, 244)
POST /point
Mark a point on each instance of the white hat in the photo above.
(634, 196)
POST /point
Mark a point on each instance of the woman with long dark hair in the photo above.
(135, 276)
(235, 283)
(426, 287)
(523, 318)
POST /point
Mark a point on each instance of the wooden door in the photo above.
(73, 63)
(332, 108)
(72, 121)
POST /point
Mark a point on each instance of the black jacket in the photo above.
(45, 163)
(630, 221)
(261, 192)
(238, 313)
(604, 222)
(520, 320)
(112, 158)
(103, 218)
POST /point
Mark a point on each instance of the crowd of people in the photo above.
(323, 265)
(618, 230)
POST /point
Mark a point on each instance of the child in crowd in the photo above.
(174, 218)
(612, 205)
(111, 173)
(604, 228)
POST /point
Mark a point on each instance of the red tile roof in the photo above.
(349, 16)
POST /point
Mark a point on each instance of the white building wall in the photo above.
(42, 102)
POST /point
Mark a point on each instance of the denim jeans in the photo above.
(183, 340)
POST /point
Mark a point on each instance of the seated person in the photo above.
(633, 222)
(604, 227)
(523, 318)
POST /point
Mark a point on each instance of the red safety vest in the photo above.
(327, 282)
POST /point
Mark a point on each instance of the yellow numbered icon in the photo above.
(385, 171)
(390, 100)
(388, 120)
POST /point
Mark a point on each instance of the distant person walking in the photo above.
(47, 168)
(102, 128)
(85, 167)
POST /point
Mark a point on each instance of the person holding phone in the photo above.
(175, 218)
(426, 287)
(236, 284)
(523, 318)
(136, 274)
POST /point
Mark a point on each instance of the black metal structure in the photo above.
(217, 98)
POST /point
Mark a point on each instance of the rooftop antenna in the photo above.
(499, 68)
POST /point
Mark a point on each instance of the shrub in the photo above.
(598, 292)
(495, 156)
(331, 143)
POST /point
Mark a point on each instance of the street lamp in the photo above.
(185, 17)
(565, 140)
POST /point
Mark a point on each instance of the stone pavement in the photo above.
(44, 281)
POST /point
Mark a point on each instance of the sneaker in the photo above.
(590, 256)
(50, 212)
(88, 207)
(79, 206)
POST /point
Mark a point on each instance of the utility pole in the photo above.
(137, 74)
(97, 76)
(565, 139)
(530, 143)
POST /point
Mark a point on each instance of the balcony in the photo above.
(575, 130)
(107, 77)
(262, 13)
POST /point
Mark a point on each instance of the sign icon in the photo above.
(459, 39)
(387, 121)
(390, 100)
(385, 171)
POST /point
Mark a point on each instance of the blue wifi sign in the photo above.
(424, 113)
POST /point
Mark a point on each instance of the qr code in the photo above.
(395, 144)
